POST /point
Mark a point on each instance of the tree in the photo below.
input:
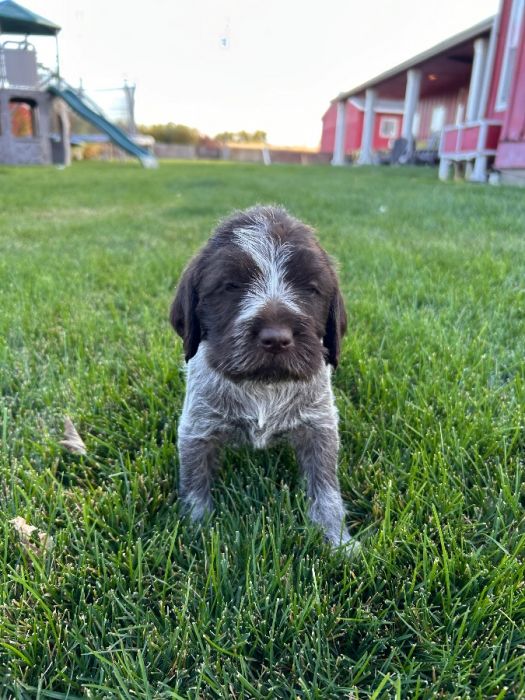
(258, 136)
(172, 133)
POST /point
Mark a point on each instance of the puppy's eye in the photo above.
(313, 290)
(231, 286)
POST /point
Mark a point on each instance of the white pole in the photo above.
(476, 79)
(267, 159)
(411, 102)
(489, 64)
(57, 56)
(366, 155)
(129, 93)
(340, 129)
(479, 173)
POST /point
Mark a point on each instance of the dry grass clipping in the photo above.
(72, 440)
(31, 537)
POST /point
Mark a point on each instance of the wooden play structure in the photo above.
(34, 99)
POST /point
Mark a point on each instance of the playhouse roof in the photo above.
(15, 19)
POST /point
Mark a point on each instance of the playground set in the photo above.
(34, 120)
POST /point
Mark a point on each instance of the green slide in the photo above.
(90, 112)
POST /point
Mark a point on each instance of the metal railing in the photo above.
(23, 76)
(481, 142)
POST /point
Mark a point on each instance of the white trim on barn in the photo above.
(386, 106)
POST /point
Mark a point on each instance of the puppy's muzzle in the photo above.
(275, 339)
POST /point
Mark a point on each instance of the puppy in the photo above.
(261, 318)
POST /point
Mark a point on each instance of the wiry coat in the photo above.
(261, 317)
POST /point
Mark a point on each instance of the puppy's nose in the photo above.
(275, 338)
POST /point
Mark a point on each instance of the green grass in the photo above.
(134, 602)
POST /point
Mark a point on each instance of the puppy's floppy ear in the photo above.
(183, 314)
(335, 327)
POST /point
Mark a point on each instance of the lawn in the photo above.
(134, 602)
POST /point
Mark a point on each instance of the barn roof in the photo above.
(458, 40)
(15, 19)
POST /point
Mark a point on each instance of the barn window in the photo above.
(23, 117)
(388, 128)
(511, 49)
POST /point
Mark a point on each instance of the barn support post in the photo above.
(444, 169)
(340, 130)
(479, 173)
(444, 163)
(476, 79)
(489, 63)
(411, 102)
(366, 154)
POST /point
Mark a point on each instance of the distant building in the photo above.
(467, 91)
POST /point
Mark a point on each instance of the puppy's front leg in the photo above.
(197, 460)
(316, 450)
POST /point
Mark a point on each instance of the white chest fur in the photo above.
(251, 411)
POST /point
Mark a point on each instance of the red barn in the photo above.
(387, 125)
(468, 92)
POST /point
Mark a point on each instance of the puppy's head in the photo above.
(264, 296)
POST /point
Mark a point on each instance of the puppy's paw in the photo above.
(351, 548)
(196, 507)
(347, 544)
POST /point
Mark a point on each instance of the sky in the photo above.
(227, 65)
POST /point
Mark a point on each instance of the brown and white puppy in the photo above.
(261, 318)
